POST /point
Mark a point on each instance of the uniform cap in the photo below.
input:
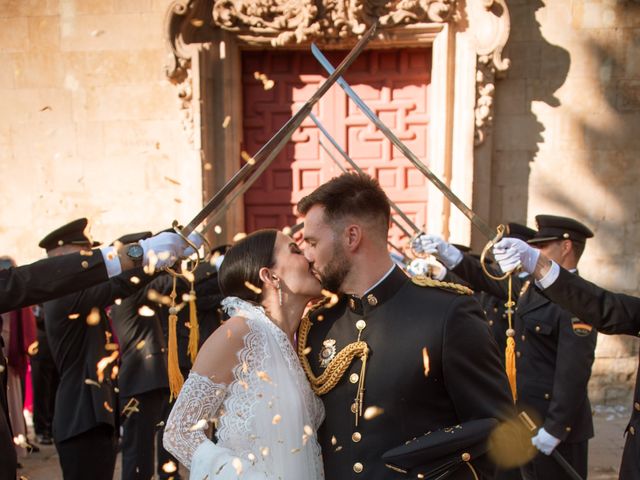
(519, 231)
(73, 233)
(552, 227)
(134, 237)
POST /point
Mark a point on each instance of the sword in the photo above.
(263, 158)
(354, 165)
(446, 191)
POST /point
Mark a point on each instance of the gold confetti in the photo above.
(334, 441)
(276, 419)
(196, 22)
(425, 361)
(103, 363)
(264, 376)
(218, 230)
(110, 347)
(91, 382)
(107, 407)
(33, 348)
(177, 200)
(237, 464)
(264, 451)
(114, 372)
(135, 280)
(208, 166)
(308, 430)
(1, 368)
(306, 351)
(338, 448)
(21, 441)
(287, 231)
(333, 298)
(199, 425)
(247, 158)
(238, 236)
(320, 318)
(252, 287)
(268, 85)
(140, 345)
(157, 297)
(372, 412)
(169, 467)
(227, 121)
(295, 450)
(171, 180)
(117, 301)
(145, 311)
(94, 317)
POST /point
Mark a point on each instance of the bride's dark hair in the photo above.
(242, 263)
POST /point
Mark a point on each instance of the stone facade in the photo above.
(91, 126)
(567, 141)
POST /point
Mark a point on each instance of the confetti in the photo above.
(86, 253)
(207, 166)
(131, 407)
(171, 180)
(117, 301)
(264, 451)
(287, 231)
(238, 236)
(145, 311)
(295, 450)
(217, 229)
(308, 430)
(103, 363)
(135, 280)
(333, 298)
(33, 348)
(196, 22)
(264, 376)
(91, 382)
(276, 419)
(140, 345)
(107, 407)
(21, 441)
(199, 425)
(94, 317)
(372, 412)
(227, 121)
(237, 464)
(169, 467)
(247, 158)
(334, 441)
(306, 351)
(425, 361)
(73, 316)
(253, 288)
(155, 296)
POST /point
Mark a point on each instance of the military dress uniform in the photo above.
(610, 313)
(554, 354)
(430, 363)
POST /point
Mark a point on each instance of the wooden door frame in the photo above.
(467, 57)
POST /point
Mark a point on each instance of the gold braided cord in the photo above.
(424, 281)
(338, 366)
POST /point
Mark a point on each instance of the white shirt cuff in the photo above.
(550, 277)
(111, 261)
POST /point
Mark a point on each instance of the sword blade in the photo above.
(440, 185)
(270, 150)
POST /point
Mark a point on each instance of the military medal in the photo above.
(328, 352)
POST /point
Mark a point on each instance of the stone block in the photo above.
(89, 7)
(139, 6)
(14, 34)
(34, 105)
(29, 8)
(38, 70)
(7, 72)
(44, 33)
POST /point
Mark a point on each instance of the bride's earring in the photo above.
(279, 288)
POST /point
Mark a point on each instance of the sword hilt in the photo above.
(500, 230)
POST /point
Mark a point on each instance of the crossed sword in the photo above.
(251, 171)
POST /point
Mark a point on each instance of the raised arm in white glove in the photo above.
(510, 253)
(449, 255)
(164, 249)
(545, 442)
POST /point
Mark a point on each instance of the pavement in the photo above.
(605, 450)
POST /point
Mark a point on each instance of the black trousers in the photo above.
(545, 467)
(45, 378)
(138, 433)
(90, 455)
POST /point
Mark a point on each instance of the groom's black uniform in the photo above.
(405, 323)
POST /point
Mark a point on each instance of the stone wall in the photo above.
(567, 141)
(89, 125)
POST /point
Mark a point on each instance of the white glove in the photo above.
(418, 266)
(164, 249)
(435, 245)
(511, 253)
(545, 442)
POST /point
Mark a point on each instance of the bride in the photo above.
(247, 379)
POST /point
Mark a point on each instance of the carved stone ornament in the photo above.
(490, 64)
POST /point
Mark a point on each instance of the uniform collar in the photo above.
(379, 293)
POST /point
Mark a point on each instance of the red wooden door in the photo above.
(394, 83)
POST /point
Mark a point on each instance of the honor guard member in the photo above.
(608, 312)
(56, 276)
(395, 357)
(142, 377)
(84, 424)
(554, 349)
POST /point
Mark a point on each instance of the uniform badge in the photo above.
(580, 328)
(328, 352)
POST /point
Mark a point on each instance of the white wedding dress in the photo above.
(267, 417)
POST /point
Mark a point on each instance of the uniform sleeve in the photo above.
(470, 270)
(607, 311)
(49, 278)
(197, 405)
(473, 374)
(575, 355)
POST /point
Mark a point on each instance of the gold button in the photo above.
(636, 406)
(356, 437)
(568, 429)
(537, 328)
(361, 325)
(632, 430)
(358, 467)
(371, 298)
(353, 378)
(354, 408)
(547, 396)
(466, 457)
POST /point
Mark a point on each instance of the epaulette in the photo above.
(316, 306)
(424, 281)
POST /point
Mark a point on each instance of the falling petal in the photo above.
(237, 464)
(227, 121)
(135, 280)
(264, 376)
(264, 451)
(199, 425)
(239, 236)
(425, 361)
(169, 467)
(33, 348)
(372, 412)
(196, 22)
(295, 450)
(145, 311)
(107, 407)
(276, 419)
(252, 287)
(334, 441)
(140, 345)
(247, 158)
(103, 363)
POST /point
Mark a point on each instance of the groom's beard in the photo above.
(333, 275)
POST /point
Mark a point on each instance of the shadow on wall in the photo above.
(538, 69)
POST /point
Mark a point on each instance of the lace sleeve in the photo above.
(196, 406)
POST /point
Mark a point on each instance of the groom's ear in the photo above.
(353, 236)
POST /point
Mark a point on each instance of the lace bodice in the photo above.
(267, 416)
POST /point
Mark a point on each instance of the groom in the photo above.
(414, 358)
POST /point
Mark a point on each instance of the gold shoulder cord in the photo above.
(337, 367)
(424, 281)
